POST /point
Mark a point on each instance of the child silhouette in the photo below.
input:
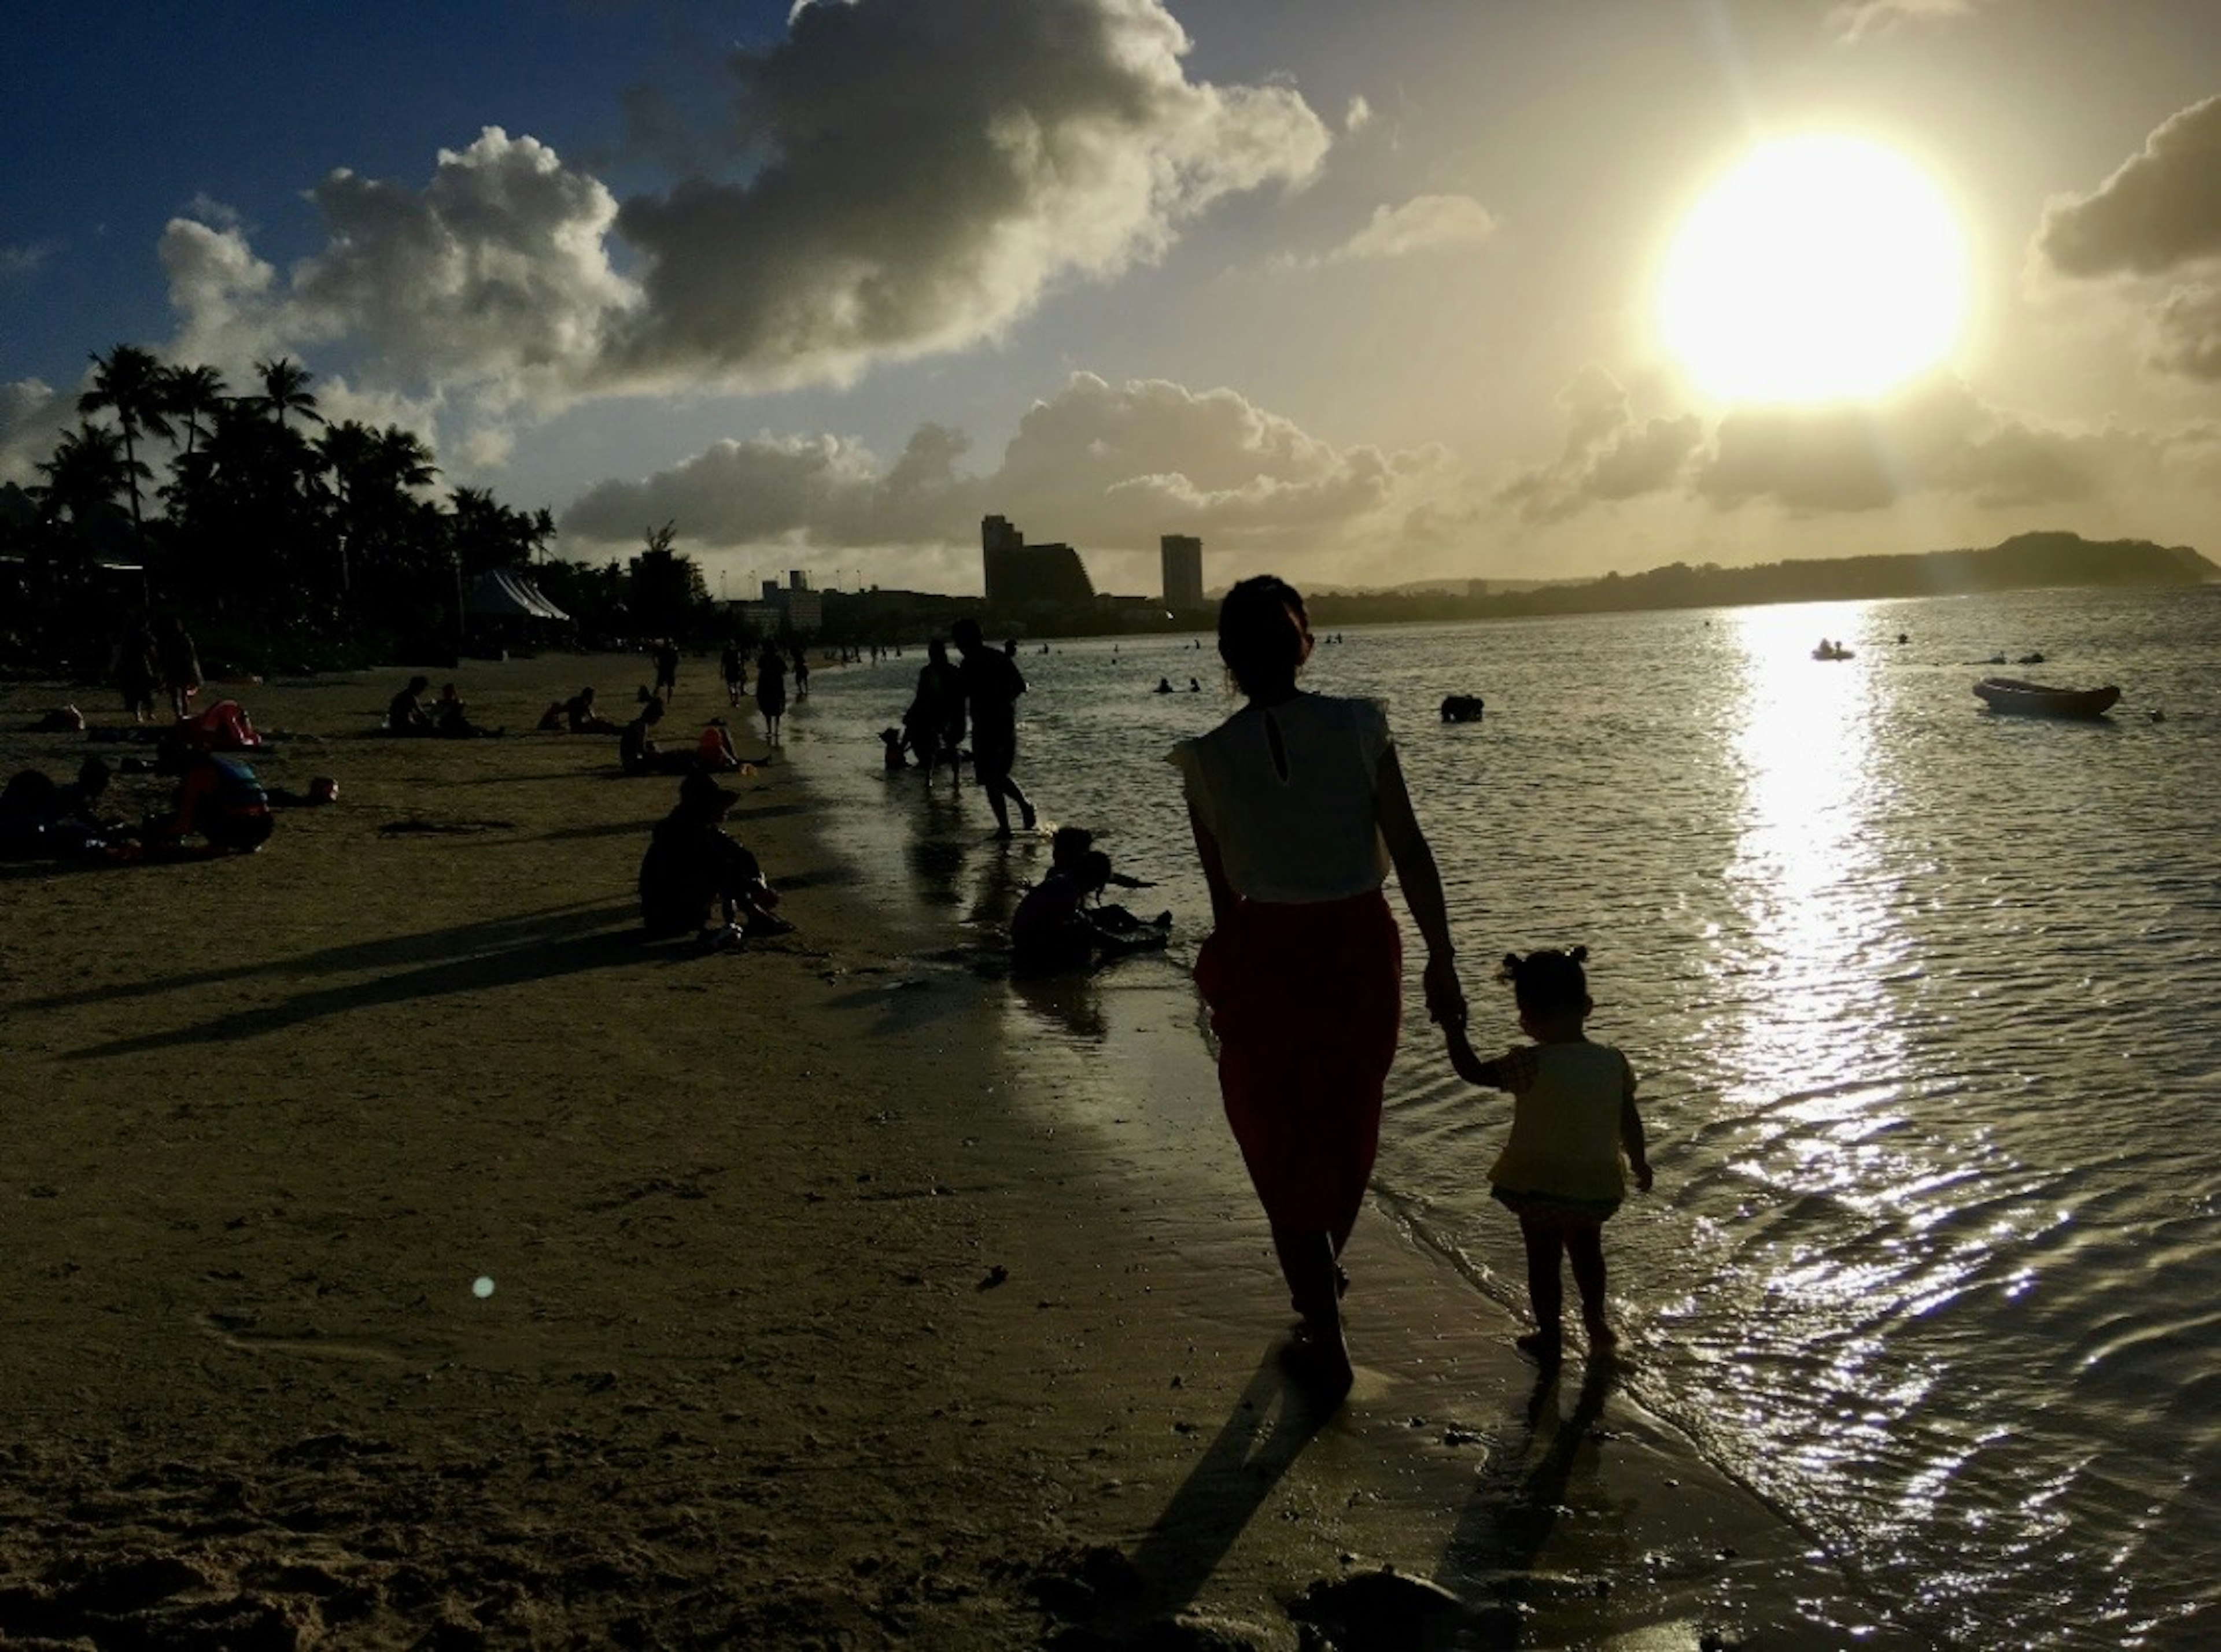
(1572, 1117)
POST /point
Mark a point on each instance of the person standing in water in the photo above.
(771, 689)
(991, 683)
(1573, 1121)
(1298, 807)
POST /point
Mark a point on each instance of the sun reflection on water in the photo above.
(1815, 931)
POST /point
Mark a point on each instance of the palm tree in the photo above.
(349, 449)
(133, 384)
(285, 389)
(404, 460)
(91, 466)
(194, 394)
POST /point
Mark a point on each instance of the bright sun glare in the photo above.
(1821, 268)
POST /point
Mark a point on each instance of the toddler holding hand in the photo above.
(1572, 1118)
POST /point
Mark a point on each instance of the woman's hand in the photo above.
(1445, 997)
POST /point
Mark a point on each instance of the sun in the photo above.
(1821, 268)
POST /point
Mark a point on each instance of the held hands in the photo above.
(1445, 998)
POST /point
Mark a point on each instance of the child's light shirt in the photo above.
(1566, 1103)
(1308, 835)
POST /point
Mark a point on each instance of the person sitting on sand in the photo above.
(451, 722)
(218, 796)
(696, 880)
(714, 751)
(1055, 928)
(579, 715)
(405, 713)
(638, 752)
(38, 818)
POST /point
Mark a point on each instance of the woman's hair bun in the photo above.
(1579, 955)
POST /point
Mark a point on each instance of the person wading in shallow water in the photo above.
(1298, 807)
(991, 683)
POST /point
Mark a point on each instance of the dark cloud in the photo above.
(819, 491)
(2159, 211)
(1609, 454)
(900, 176)
(2189, 328)
(1939, 439)
(923, 172)
(1109, 467)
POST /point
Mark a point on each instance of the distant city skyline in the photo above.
(1365, 295)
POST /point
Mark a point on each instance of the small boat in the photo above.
(1834, 650)
(2010, 695)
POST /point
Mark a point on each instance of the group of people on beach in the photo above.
(977, 695)
(1298, 810)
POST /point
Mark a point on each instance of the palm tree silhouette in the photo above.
(132, 383)
(88, 469)
(194, 394)
(285, 389)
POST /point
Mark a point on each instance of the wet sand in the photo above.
(398, 1251)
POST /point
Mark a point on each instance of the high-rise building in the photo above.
(1019, 576)
(1181, 557)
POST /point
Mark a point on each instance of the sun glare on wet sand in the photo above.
(1820, 269)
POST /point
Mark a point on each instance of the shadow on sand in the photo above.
(1517, 1500)
(1117, 1599)
(470, 958)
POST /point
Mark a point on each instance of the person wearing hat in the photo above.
(697, 880)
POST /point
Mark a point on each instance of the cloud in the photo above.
(1108, 467)
(497, 273)
(2189, 328)
(1358, 116)
(1608, 455)
(224, 296)
(821, 491)
(1938, 439)
(17, 263)
(901, 177)
(1426, 223)
(31, 415)
(2159, 211)
(927, 172)
(1857, 19)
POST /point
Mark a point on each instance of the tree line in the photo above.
(287, 539)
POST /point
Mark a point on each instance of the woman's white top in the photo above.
(1304, 835)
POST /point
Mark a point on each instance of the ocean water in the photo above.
(1922, 1000)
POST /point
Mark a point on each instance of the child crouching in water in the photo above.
(1572, 1117)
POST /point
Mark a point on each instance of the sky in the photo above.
(1360, 294)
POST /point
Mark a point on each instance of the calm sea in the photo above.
(1923, 1001)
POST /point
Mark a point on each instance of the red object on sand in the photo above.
(224, 726)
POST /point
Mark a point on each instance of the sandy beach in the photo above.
(399, 1252)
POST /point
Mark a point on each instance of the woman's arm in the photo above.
(1223, 898)
(1423, 889)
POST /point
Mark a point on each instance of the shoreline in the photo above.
(825, 1309)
